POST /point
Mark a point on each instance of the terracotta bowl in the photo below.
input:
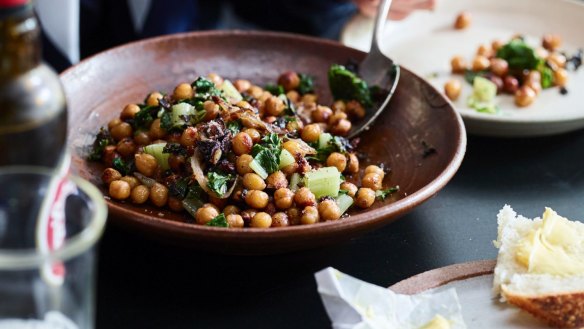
(419, 136)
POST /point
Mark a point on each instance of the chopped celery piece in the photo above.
(155, 150)
(181, 114)
(344, 202)
(257, 167)
(324, 140)
(230, 92)
(323, 182)
(286, 158)
(294, 181)
(484, 90)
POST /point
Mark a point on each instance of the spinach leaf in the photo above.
(219, 221)
(123, 167)
(470, 75)
(275, 89)
(382, 194)
(267, 153)
(519, 55)
(219, 182)
(166, 121)
(102, 139)
(234, 127)
(179, 188)
(306, 84)
(547, 75)
(203, 85)
(194, 199)
(143, 119)
(346, 85)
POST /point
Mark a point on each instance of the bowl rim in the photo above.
(378, 215)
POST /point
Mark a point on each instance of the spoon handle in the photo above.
(380, 19)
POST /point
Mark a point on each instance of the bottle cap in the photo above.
(12, 3)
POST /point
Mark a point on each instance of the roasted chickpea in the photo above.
(177, 162)
(304, 197)
(283, 198)
(375, 170)
(126, 147)
(499, 67)
(159, 194)
(350, 188)
(290, 169)
(244, 104)
(365, 197)
(338, 160)
(311, 133)
(241, 143)
(534, 85)
(294, 215)
(280, 219)
(129, 112)
(175, 204)
(252, 181)
(289, 80)
(293, 147)
(211, 110)
(234, 220)
(452, 89)
(274, 106)
(109, 175)
(480, 63)
(215, 78)
(524, 96)
(121, 131)
(541, 52)
(257, 199)
(248, 214)
(336, 117)
(119, 190)
(183, 91)
(277, 180)
(242, 85)
(551, 41)
(255, 91)
(321, 114)
(152, 99)
(109, 154)
(556, 59)
(458, 64)
(231, 209)
(309, 216)
(142, 138)
(205, 214)
(293, 96)
(146, 164)
(217, 202)
(189, 137)
(498, 82)
(463, 20)
(339, 106)
(133, 181)
(485, 50)
(242, 164)
(372, 181)
(355, 110)
(261, 220)
(140, 194)
(497, 44)
(156, 131)
(561, 77)
(510, 84)
(329, 210)
(113, 123)
(309, 98)
(341, 128)
(254, 134)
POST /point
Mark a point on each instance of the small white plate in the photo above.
(426, 41)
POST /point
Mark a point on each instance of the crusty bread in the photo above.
(558, 300)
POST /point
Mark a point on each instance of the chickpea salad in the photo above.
(239, 155)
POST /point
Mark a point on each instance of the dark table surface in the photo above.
(144, 284)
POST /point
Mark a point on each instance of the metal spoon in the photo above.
(377, 70)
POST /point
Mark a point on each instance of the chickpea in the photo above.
(541, 52)
(146, 164)
(248, 214)
(140, 194)
(254, 134)
(311, 133)
(277, 180)
(336, 117)
(129, 112)
(189, 137)
(293, 96)
(290, 169)
(304, 197)
(510, 84)
(126, 147)
(338, 160)
(183, 91)
(215, 78)
(534, 85)
(242, 85)
(289, 80)
(113, 123)
(293, 147)
(480, 63)
(244, 105)
(175, 204)
(133, 181)
(524, 96)
(497, 44)
(342, 127)
(231, 209)
(212, 206)
(309, 216)
(142, 138)
(352, 164)
(241, 143)
(234, 220)
(255, 92)
(159, 194)
(156, 131)
(252, 181)
(329, 210)
(458, 64)
(261, 220)
(280, 219)
(372, 181)
(211, 110)
(177, 162)
(355, 110)
(218, 203)
(499, 67)
(119, 190)
(152, 99)
(463, 20)
(309, 98)
(109, 154)
(294, 215)
(121, 131)
(452, 89)
(257, 199)
(242, 164)
(205, 214)
(485, 50)
(321, 114)
(283, 198)
(365, 197)
(274, 106)
(558, 60)
(375, 170)
(109, 175)
(498, 82)
(551, 41)
(561, 77)
(350, 188)
(270, 119)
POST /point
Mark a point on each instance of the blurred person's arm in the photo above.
(400, 9)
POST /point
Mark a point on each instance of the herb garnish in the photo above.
(382, 194)
(102, 139)
(306, 84)
(219, 221)
(346, 85)
(267, 153)
(218, 182)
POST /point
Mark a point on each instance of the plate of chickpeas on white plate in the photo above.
(511, 69)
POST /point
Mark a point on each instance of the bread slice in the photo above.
(556, 299)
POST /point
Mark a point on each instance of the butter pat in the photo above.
(438, 322)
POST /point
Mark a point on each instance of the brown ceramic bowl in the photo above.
(418, 118)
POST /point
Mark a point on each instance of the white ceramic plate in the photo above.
(426, 41)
